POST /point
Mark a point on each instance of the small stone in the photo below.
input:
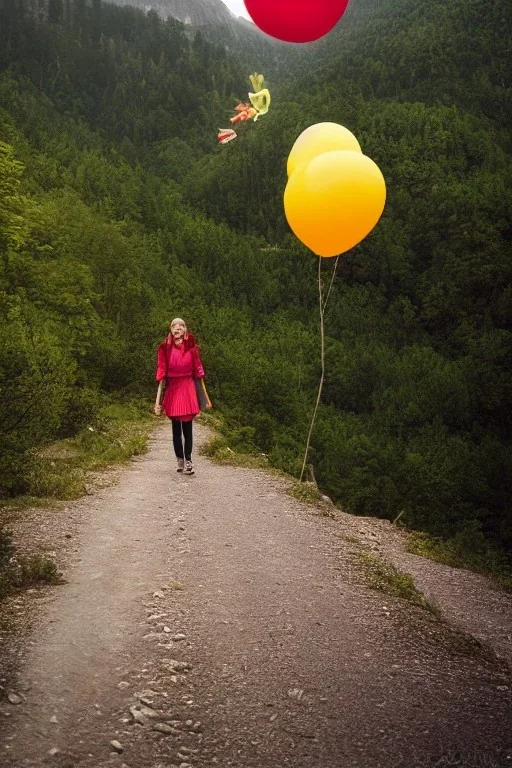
(149, 692)
(138, 717)
(273, 717)
(159, 594)
(179, 636)
(295, 693)
(186, 765)
(167, 630)
(123, 684)
(53, 751)
(166, 729)
(171, 665)
(14, 698)
(116, 746)
(149, 712)
(53, 719)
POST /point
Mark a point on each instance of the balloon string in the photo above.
(322, 305)
(332, 281)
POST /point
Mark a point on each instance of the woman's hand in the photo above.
(158, 409)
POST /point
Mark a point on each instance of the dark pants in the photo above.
(182, 432)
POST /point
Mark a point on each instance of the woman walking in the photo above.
(178, 366)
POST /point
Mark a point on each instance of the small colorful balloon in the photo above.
(257, 81)
(296, 21)
(225, 135)
(244, 112)
(260, 101)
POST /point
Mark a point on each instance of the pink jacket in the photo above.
(189, 364)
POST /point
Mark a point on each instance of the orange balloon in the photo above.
(317, 139)
(334, 201)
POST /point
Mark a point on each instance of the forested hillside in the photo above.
(118, 211)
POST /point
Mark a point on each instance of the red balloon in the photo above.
(296, 21)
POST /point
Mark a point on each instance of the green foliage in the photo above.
(217, 448)
(11, 202)
(384, 577)
(467, 549)
(38, 568)
(35, 378)
(82, 410)
(306, 492)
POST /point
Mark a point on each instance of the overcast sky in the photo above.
(237, 6)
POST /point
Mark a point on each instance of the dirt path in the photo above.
(214, 621)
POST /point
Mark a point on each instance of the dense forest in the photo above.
(118, 211)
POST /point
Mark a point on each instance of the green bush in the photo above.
(54, 479)
(82, 410)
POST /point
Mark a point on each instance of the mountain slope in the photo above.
(240, 38)
(455, 52)
(193, 12)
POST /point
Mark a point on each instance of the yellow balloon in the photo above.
(320, 138)
(334, 201)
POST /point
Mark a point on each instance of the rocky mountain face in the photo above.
(221, 27)
(191, 12)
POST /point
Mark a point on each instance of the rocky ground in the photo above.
(215, 621)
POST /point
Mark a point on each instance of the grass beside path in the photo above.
(476, 555)
(385, 577)
(66, 470)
